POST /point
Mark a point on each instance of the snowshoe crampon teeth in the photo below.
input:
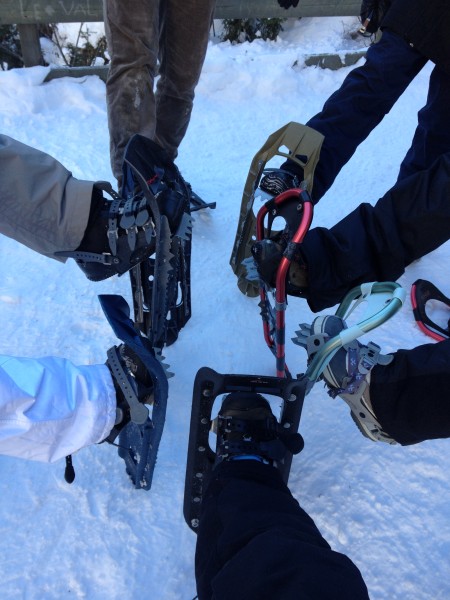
(302, 335)
(164, 365)
(184, 231)
(250, 266)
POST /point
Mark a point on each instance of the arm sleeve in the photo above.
(41, 205)
(50, 408)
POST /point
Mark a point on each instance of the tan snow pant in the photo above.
(140, 34)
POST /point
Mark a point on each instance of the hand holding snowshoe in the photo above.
(267, 255)
(134, 388)
(270, 248)
(119, 235)
(147, 165)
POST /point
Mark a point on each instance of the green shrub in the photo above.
(10, 52)
(247, 30)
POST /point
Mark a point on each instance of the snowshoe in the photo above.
(290, 141)
(423, 291)
(139, 439)
(201, 459)
(161, 284)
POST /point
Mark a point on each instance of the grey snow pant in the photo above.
(140, 33)
(41, 205)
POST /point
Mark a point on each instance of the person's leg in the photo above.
(432, 136)
(367, 94)
(183, 44)
(409, 395)
(41, 205)
(255, 541)
(377, 243)
(132, 31)
(49, 408)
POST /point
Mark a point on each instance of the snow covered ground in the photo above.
(386, 507)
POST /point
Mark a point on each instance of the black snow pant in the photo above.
(410, 396)
(255, 542)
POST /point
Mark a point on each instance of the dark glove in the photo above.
(287, 3)
(371, 15)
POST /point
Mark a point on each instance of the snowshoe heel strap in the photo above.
(138, 411)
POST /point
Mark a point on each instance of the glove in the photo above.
(287, 3)
(371, 14)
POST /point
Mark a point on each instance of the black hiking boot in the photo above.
(277, 181)
(267, 255)
(247, 429)
(119, 235)
(347, 375)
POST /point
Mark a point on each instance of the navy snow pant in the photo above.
(255, 542)
(367, 94)
(377, 243)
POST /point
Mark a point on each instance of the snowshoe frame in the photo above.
(421, 292)
(290, 141)
(296, 208)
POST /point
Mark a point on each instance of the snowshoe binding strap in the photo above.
(130, 238)
(138, 412)
(273, 448)
(423, 291)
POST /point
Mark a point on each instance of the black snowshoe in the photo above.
(161, 284)
(201, 459)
